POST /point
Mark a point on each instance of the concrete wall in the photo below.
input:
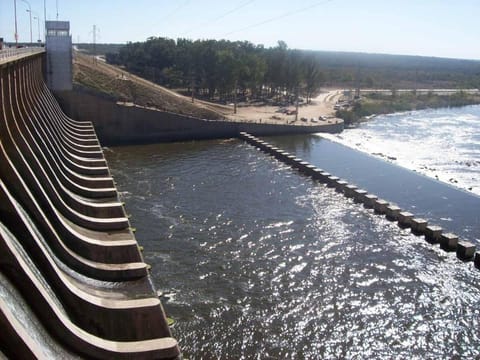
(118, 124)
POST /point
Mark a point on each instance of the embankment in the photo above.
(118, 124)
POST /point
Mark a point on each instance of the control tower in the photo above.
(59, 55)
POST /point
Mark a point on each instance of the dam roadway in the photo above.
(73, 282)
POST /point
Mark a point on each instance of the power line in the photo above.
(287, 14)
(169, 16)
(221, 16)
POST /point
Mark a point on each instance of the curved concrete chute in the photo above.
(88, 167)
(106, 258)
(74, 167)
(65, 241)
(37, 178)
(41, 184)
(15, 338)
(81, 141)
(70, 123)
(47, 147)
(70, 148)
(79, 136)
(63, 184)
(154, 341)
(71, 143)
(90, 245)
(108, 305)
(80, 158)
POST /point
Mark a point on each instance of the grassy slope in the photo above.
(119, 85)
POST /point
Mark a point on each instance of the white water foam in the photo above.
(443, 144)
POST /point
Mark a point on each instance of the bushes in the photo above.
(384, 104)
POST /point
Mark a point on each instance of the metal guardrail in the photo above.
(15, 52)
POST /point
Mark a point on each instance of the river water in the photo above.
(257, 261)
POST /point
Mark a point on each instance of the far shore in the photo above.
(320, 110)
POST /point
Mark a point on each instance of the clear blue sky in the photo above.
(445, 28)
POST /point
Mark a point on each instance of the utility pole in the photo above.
(31, 36)
(38, 24)
(235, 97)
(357, 83)
(94, 33)
(29, 10)
(57, 10)
(45, 20)
(193, 89)
(415, 83)
(16, 31)
(94, 44)
(296, 106)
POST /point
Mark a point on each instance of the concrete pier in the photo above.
(476, 260)
(433, 233)
(448, 242)
(340, 186)
(369, 201)
(419, 226)
(359, 195)
(405, 219)
(350, 191)
(317, 174)
(465, 250)
(392, 212)
(380, 206)
(331, 181)
(311, 170)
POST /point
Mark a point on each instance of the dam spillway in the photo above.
(67, 247)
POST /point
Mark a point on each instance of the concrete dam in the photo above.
(73, 282)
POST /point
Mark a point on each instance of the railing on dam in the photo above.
(10, 54)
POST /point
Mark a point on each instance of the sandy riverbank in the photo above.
(322, 106)
(129, 88)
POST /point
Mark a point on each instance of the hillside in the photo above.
(119, 85)
(346, 69)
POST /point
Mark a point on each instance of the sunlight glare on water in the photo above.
(258, 261)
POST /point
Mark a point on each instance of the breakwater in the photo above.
(67, 247)
(434, 234)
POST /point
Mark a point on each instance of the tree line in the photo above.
(221, 69)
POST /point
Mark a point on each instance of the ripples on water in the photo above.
(440, 143)
(257, 261)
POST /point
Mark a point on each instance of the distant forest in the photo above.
(217, 67)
